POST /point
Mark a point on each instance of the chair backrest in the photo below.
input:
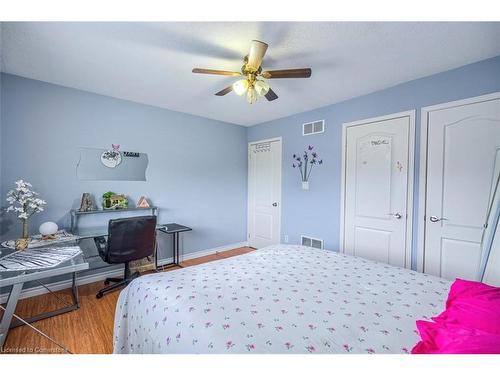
(130, 239)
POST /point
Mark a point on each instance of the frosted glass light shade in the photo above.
(251, 95)
(240, 87)
(261, 87)
(48, 228)
(257, 51)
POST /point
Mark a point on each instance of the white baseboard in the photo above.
(65, 284)
(202, 253)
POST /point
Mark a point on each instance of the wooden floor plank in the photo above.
(86, 330)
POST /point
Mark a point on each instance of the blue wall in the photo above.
(197, 170)
(1, 166)
(317, 212)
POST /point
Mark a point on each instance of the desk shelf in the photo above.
(77, 213)
(101, 211)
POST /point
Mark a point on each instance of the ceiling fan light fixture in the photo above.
(261, 87)
(240, 87)
(251, 95)
(253, 77)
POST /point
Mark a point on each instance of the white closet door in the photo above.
(463, 148)
(376, 190)
(264, 194)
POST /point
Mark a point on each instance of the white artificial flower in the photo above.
(24, 201)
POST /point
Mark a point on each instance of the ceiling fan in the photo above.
(254, 84)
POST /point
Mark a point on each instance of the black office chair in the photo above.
(129, 239)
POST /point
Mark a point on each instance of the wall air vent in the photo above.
(315, 127)
(311, 242)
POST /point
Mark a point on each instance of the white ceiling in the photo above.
(151, 62)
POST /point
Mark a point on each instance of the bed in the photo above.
(279, 299)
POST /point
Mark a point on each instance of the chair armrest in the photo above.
(100, 243)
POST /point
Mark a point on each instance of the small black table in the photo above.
(174, 229)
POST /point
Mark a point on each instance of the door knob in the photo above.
(435, 219)
(397, 215)
(275, 204)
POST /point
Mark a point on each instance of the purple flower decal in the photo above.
(306, 162)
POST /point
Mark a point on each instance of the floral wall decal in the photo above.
(305, 164)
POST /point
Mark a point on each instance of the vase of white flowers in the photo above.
(25, 203)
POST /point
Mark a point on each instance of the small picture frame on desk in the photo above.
(87, 203)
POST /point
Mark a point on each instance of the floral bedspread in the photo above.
(280, 299)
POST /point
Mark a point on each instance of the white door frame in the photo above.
(411, 171)
(250, 144)
(422, 182)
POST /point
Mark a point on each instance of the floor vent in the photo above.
(314, 127)
(312, 242)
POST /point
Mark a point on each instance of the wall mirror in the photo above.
(111, 165)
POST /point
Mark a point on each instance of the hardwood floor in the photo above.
(86, 330)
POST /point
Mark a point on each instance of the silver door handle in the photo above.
(435, 219)
(275, 204)
(397, 215)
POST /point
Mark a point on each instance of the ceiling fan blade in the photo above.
(287, 73)
(225, 91)
(271, 95)
(257, 51)
(217, 72)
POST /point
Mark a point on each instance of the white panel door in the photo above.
(463, 148)
(264, 193)
(492, 271)
(376, 190)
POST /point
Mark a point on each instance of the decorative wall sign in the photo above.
(130, 154)
(130, 168)
(112, 158)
